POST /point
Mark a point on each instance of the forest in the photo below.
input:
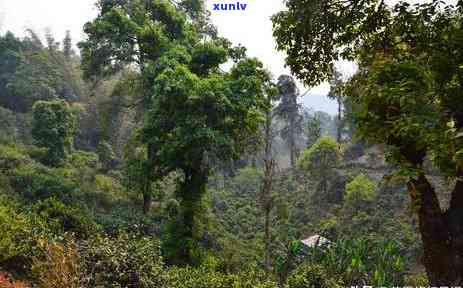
(156, 153)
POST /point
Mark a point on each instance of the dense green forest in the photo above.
(155, 153)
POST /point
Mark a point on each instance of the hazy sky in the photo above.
(252, 28)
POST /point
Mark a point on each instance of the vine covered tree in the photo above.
(196, 119)
(194, 112)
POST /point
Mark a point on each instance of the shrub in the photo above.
(10, 154)
(104, 183)
(16, 233)
(36, 182)
(202, 278)
(360, 190)
(65, 218)
(82, 159)
(320, 160)
(123, 217)
(362, 261)
(122, 261)
(417, 280)
(313, 276)
(320, 157)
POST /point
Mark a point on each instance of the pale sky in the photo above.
(252, 28)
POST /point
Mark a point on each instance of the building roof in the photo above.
(315, 241)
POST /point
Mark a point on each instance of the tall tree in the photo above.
(52, 45)
(407, 94)
(266, 197)
(197, 119)
(194, 111)
(67, 45)
(289, 111)
(136, 33)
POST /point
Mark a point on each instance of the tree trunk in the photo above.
(147, 201)
(292, 144)
(441, 233)
(454, 217)
(266, 197)
(267, 260)
(192, 191)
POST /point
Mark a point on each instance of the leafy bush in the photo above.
(362, 261)
(320, 160)
(15, 230)
(320, 157)
(80, 159)
(65, 218)
(122, 261)
(202, 278)
(104, 183)
(36, 182)
(417, 280)
(359, 191)
(123, 217)
(313, 276)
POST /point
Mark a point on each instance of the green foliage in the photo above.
(321, 157)
(30, 73)
(362, 261)
(122, 261)
(82, 159)
(194, 110)
(36, 182)
(320, 160)
(246, 181)
(11, 156)
(313, 276)
(123, 216)
(359, 191)
(53, 128)
(198, 278)
(8, 124)
(107, 50)
(16, 230)
(63, 218)
(315, 34)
